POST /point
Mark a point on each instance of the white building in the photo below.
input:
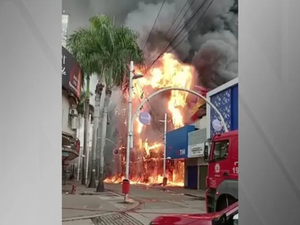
(195, 167)
(71, 90)
(70, 143)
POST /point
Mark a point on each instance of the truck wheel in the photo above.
(222, 202)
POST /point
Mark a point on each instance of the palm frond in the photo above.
(105, 49)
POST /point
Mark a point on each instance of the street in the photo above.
(89, 208)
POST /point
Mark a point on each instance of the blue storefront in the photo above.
(177, 142)
(225, 98)
(177, 146)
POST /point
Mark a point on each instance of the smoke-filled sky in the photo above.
(211, 45)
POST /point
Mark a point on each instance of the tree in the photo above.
(116, 47)
(79, 44)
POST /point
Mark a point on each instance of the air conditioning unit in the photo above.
(74, 123)
(73, 112)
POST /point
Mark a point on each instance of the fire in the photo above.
(168, 72)
(146, 162)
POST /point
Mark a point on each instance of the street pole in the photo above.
(126, 182)
(165, 149)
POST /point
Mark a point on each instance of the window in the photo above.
(236, 219)
(221, 150)
(232, 219)
(65, 22)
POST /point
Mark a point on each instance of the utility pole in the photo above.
(126, 184)
(165, 149)
(165, 121)
(98, 93)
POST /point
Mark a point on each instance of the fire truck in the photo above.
(221, 153)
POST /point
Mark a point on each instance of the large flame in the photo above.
(147, 158)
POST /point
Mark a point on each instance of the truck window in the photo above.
(221, 150)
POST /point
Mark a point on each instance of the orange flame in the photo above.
(167, 72)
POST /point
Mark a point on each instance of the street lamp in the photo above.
(126, 183)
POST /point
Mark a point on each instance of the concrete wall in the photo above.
(202, 123)
(65, 116)
(197, 137)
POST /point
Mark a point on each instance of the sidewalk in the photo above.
(199, 194)
(87, 203)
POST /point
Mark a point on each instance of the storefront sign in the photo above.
(196, 150)
(181, 152)
(71, 73)
(145, 118)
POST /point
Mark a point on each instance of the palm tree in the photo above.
(79, 44)
(117, 46)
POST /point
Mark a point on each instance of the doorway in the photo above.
(202, 177)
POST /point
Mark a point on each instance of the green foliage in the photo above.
(80, 106)
(105, 49)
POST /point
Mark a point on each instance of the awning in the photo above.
(70, 147)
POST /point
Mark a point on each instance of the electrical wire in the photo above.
(194, 24)
(181, 29)
(176, 36)
(178, 17)
(200, 7)
(150, 107)
(162, 5)
(175, 30)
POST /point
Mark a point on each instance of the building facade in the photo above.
(225, 99)
(195, 167)
(71, 90)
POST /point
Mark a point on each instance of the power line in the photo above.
(162, 5)
(182, 27)
(150, 107)
(168, 46)
(182, 40)
(177, 18)
(194, 24)
(182, 17)
(176, 36)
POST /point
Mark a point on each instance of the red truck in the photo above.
(221, 153)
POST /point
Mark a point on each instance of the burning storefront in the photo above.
(210, 55)
(146, 161)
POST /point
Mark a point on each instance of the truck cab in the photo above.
(221, 153)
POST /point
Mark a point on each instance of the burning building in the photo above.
(199, 58)
(146, 159)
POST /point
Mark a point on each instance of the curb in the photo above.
(195, 196)
(85, 217)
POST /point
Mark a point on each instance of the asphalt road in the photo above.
(155, 202)
(108, 208)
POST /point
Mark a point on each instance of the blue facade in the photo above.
(177, 142)
(226, 102)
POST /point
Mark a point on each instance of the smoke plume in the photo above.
(208, 40)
